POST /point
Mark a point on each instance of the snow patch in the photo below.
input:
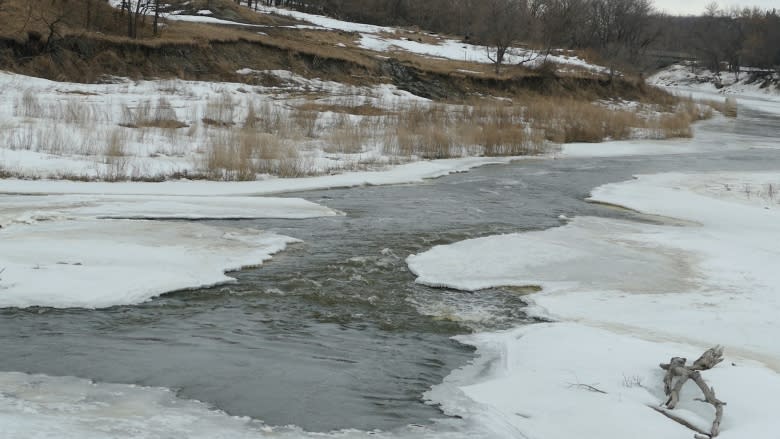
(27, 209)
(102, 263)
(407, 173)
(563, 380)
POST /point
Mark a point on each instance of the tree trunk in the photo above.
(156, 17)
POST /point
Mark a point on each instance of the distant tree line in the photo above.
(619, 31)
(726, 38)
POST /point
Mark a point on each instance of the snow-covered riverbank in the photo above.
(84, 251)
(628, 296)
(760, 92)
(625, 296)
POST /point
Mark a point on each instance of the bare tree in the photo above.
(89, 9)
(136, 10)
(717, 38)
(559, 21)
(619, 29)
(712, 9)
(502, 24)
(51, 14)
(157, 17)
(760, 45)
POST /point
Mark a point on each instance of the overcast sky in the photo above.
(686, 7)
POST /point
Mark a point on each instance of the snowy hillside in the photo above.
(750, 82)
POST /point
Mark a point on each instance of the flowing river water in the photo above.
(334, 333)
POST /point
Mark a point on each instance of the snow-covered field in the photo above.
(118, 130)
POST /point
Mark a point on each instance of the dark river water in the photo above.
(333, 332)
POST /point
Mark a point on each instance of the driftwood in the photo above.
(677, 369)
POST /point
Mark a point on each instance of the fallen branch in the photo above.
(676, 368)
(679, 420)
(587, 387)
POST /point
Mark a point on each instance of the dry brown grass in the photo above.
(567, 121)
(228, 158)
(305, 122)
(51, 140)
(727, 106)
(77, 112)
(415, 34)
(116, 143)
(116, 169)
(28, 106)
(17, 22)
(263, 142)
(358, 110)
(183, 32)
(219, 111)
(347, 138)
(677, 122)
(671, 126)
(266, 119)
(321, 53)
(458, 68)
(510, 141)
(328, 37)
(278, 157)
(147, 115)
(6, 172)
(483, 129)
(499, 128)
(233, 154)
(436, 142)
(20, 17)
(68, 111)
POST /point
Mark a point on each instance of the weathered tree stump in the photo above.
(676, 368)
